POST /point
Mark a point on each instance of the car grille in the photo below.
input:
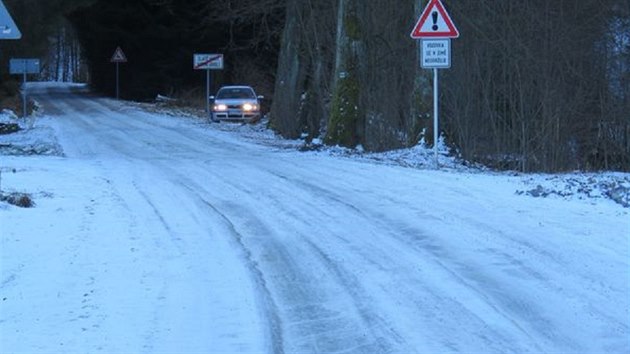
(235, 112)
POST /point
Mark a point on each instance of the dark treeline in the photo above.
(41, 23)
(535, 85)
(541, 85)
(159, 38)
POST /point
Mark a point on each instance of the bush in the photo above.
(21, 200)
(9, 128)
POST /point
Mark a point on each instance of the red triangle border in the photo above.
(452, 30)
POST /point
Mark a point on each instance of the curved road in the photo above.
(214, 243)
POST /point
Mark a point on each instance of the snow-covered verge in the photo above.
(31, 139)
(581, 186)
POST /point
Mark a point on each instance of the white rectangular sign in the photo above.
(208, 61)
(436, 53)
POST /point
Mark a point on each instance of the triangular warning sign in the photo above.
(435, 23)
(8, 29)
(119, 56)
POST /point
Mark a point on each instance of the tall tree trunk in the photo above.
(377, 97)
(345, 127)
(304, 68)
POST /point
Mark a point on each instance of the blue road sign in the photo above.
(24, 66)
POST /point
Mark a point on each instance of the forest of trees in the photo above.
(535, 85)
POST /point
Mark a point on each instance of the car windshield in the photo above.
(235, 92)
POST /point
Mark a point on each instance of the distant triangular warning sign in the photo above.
(119, 56)
(435, 23)
(8, 28)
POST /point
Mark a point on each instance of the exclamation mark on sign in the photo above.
(435, 18)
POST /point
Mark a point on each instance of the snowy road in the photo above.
(158, 234)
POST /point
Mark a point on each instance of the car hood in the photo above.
(236, 101)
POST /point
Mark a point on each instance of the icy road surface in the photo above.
(158, 234)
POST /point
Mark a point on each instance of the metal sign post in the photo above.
(118, 57)
(24, 105)
(436, 54)
(208, 62)
(208, 81)
(117, 81)
(24, 67)
(435, 29)
(436, 119)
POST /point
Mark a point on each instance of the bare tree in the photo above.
(63, 62)
(528, 85)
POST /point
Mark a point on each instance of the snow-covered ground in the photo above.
(154, 233)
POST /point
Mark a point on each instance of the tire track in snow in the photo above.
(519, 307)
(115, 140)
(270, 307)
(242, 194)
(304, 313)
(353, 287)
(409, 238)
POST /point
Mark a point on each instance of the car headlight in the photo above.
(249, 107)
(220, 107)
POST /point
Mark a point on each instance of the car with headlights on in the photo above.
(235, 103)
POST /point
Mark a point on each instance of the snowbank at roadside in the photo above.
(33, 138)
(590, 187)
